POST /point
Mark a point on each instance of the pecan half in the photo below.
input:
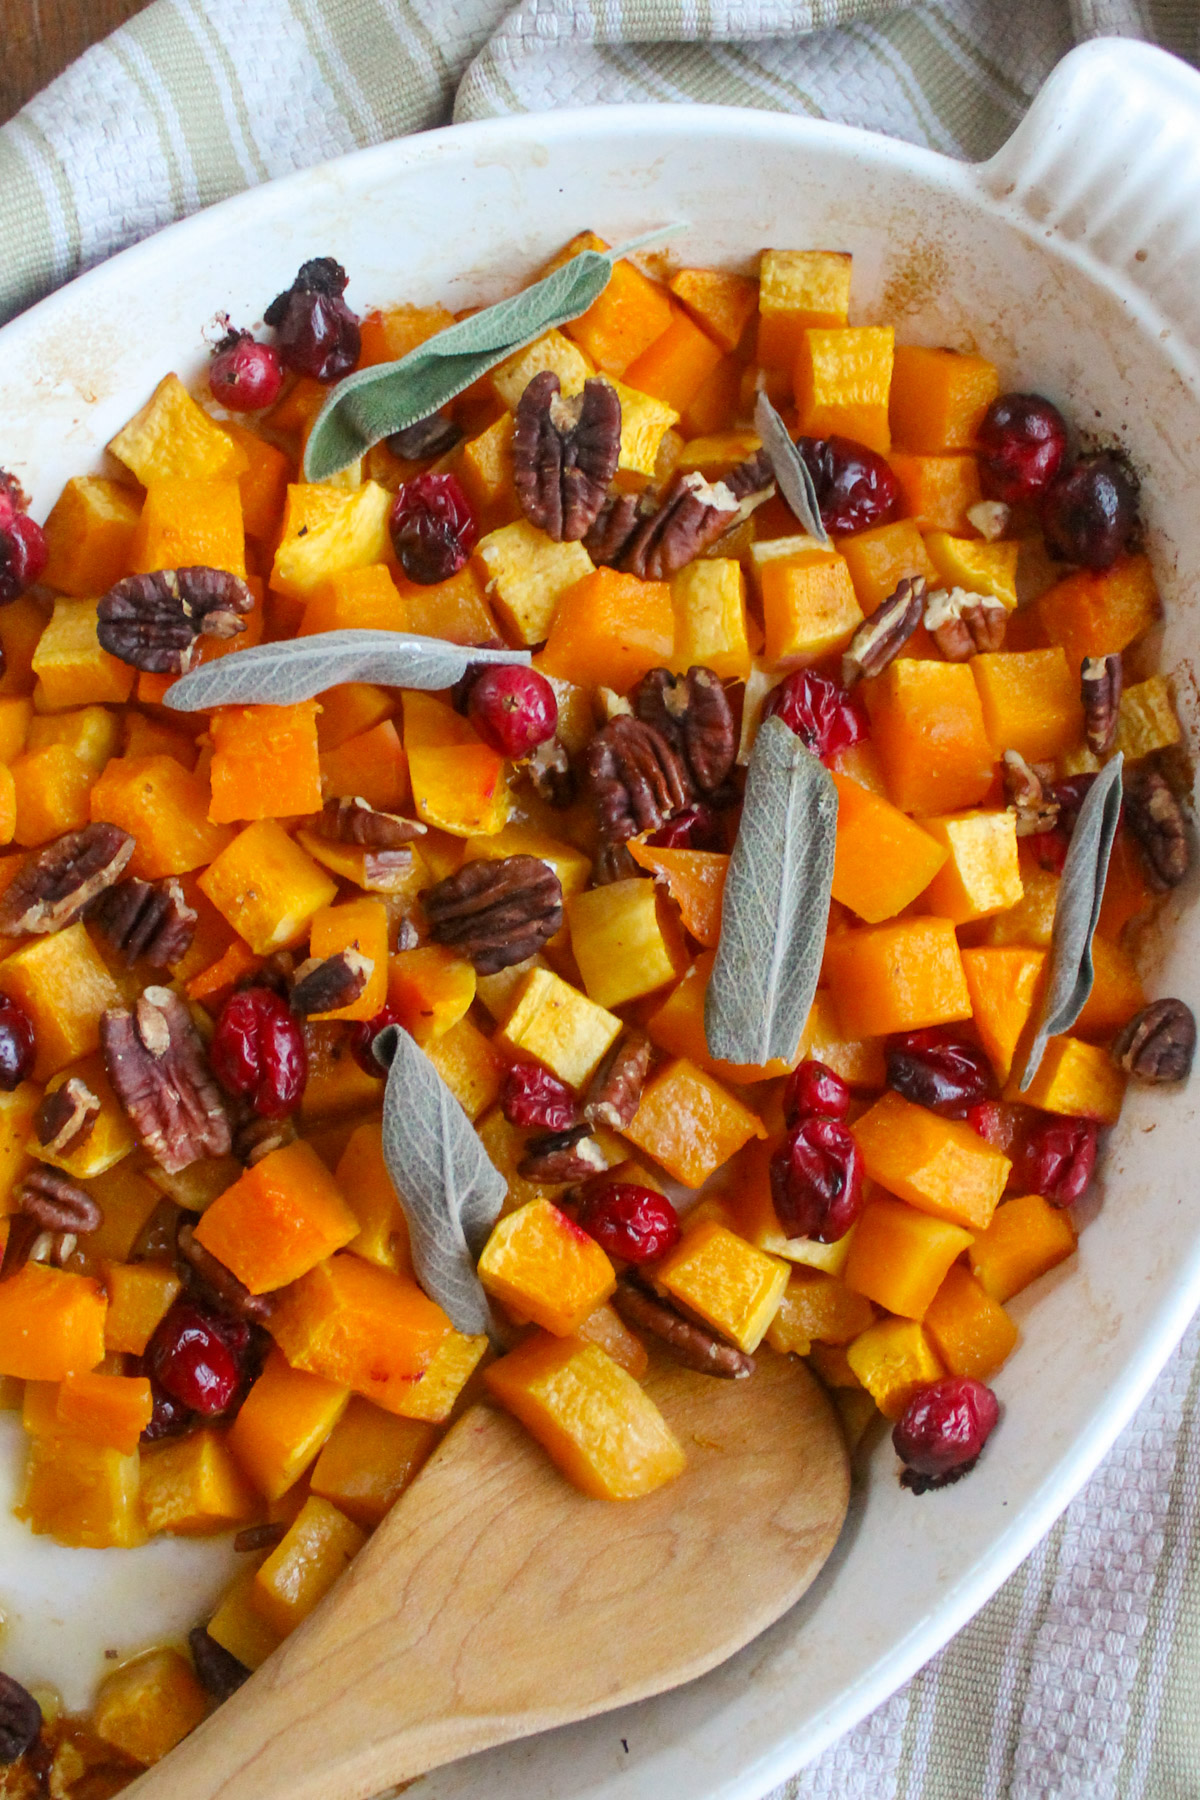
(883, 636)
(158, 1070)
(496, 913)
(148, 920)
(65, 1118)
(692, 514)
(1158, 1044)
(351, 820)
(1036, 810)
(636, 779)
(20, 1720)
(616, 1087)
(328, 984)
(564, 454)
(964, 625)
(693, 714)
(692, 1345)
(434, 436)
(550, 771)
(207, 1272)
(562, 1156)
(56, 1203)
(1100, 682)
(218, 1671)
(613, 863)
(1155, 817)
(155, 622)
(615, 527)
(54, 887)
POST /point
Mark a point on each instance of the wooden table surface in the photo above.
(38, 38)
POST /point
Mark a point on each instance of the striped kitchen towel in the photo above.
(1080, 1678)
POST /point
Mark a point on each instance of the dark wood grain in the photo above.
(38, 38)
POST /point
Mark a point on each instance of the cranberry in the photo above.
(245, 375)
(317, 333)
(1089, 513)
(995, 1122)
(630, 1221)
(944, 1073)
(258, 1052)
(813, 1088)
(1058, 1159)
(819, 710)
(433, 528)
(1022, 442)
(170, 1417)
(512, 708)
(942, 1431)
(22, 541)
(1049, 848)
(695, 828)
(855, 486)
(364, 1033)
(817, 1180)
(196, 1358)
(531, 1096)
(16, 1045)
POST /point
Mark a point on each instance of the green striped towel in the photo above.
(1080, 1678)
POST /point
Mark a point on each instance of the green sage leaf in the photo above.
(790, 470)
(281, 674)
(372, 403)
(1080, 897)
(776, 906)
(450, 1191)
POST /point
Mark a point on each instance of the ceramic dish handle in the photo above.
(1108, 159)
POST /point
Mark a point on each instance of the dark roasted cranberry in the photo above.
(695, 828)
(513, 708)
(629, 1221)
(195, 1358)
(939, 1435)
(817, 1180)
(532, 1097)
(317, 333)
(1070, 794)
(16, 1045)
(22, 550)
(245, 375)
(1057, 1159)
(1089, 513)
(258, 1054)
(1022, 442)
(814, 1089)
(1049, 848)
(170, 1417)
(855, 486)
(363, 1035)
(819, 710)
(941, 1072)
(433, 528)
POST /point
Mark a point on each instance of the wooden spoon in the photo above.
(496, 1601)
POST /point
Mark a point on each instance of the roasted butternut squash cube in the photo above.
(470, 1065)
(110, 1410)
(187, 522)
(319, 1545)
(798, 289)
(689, 1123)
(365, 1327)
(83, 1495)
(71, 667)
(980, 568)
(62, 983)
(455, 609)
(17, 1111)
(676, 365)
(809, 607)
(971, 1332)
(485, 469)
(349, 710)
(360, 925)
(91, 732)
(390, 332)
(1074, 1078)
(149, 1706)
(194, 1487)
(645, 422)
(1031, 920)
(721, 303)
(749, 1210)
(282, 1218)
(630, 313)
(896, 977)
(893, 1359)
(362, 1177)
(556, 1025)
(262, 485)
(165, 808)
(1004, 983)
(626, 941)
(571, 864)
(127, 1198)
(818, 1308)
(458, 781)
(695, 880)
(939, 397)
(882, 858)
(22, 623)
(734, 1287)
(551, 351)
(526, 575)
(678, 1026)
(431, 989)
(47, 795)
(709, 600)
(941, 1165)
(172, 435)
(265, 763)
(326, 530)
(937, 492)
(859, 1061)
(51, 1323)
(16, 718)
(239, 1627)
(1117, 991)
(1147, 720)
(111, 1135)
(1027, 1238)
(1030, 701)
(282, 1424)
(606, 1328)
(373, 766)
(929, 731)
(89, 535)
(434, 1394)
(267, 887)
(899, 1256)
(1097, 613)
(982, 874)
(364, 599)
(369, 1460)
(842, 378)
(540, 1264)
(609, 630)
(602, 1429)
(139, 1297)
(880, 559)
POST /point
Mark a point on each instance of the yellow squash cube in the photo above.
(709, 601)
(320, 1543)
(71, 667)
(899, 1256)
(1073, 1077)
(62, 983)
(172, 435)
(194, 1487)
(893, 1359)
(89, 535)
(733, 1287)
(645, 421)
(544, 1267)
(797, 289)
(434, 1394)
(91, 732)
(470, 1065)
(139, 1297)
(267, 887)
(941, 1165)
(981, 874)
(527, 575)
(369, 1460)
(626, 941)
(809, 607)
(978, 567)
(147, 1707)
(1147, 720)
(556, 1025)
(282, 1424)
(327, 530)
(551, 351)
(239, 1627)
(689, 1123)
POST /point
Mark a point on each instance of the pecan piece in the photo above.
(565, 453)
(692, 514)
(691, 711)
(556, 1156)
(427, 438)
(326, 985)
(1025, 791)
(883, 636)
(217, 1669)
(550, 771)
(1158, 1043)
(496, 913)
(990, 519)
(351, 820)
(1100, 682)
(692, 1345)
(56, 1203)
(260, 1537)
(636, 779)
(54, 887)
(616, 1087)
(616, 525)
(155, 622)
(964, 625)
(20, 1720)
(1155, 818)
(158, 1070)
(147, 919)
(255, 1137)
(65, 1118)
(207, 1272)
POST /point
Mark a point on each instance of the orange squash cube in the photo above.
(373, 765)
(609, 630)
(22, 623)
(391, 332)
(978, 567)
(676, 365)
(82, 1495)
(17, 1112)
(363, 1326)
(48, 794)
(1099, 613)
(626, 941)
(186, 523)
(880, 559)
(540, 1264)
(91, 732)
(262, 485)
(320, 1543)
(723, 304)
(882, 859)
(1031, 920)
(1004, 983)
(799, 289)
(899, 1256)
(139, 1297)
(940, 1165)
(282, 1424)
(434, 1394)
(842, 378)
(929, 732)
(1075, 1078)
(240, 1628)
(893, 1359)
(193, 1487)
(282, 1218)
(556, 1025)
(689, 1123)
(982, 873)
(1026, 1238)
(459, 787)
(363, 599)
(817, 1307)
(163, 806)
(16, 717)
(147, 1707)
(431, 989)
(809, 607)
(172, 435)
(939, 397)
(110, 1410)
(62, 983)
(602, 1429)
(485, 470)
(349, 710)
(470, 1065)
(971, 1332)
(265, 762)
(896, 977)
(1117, 991)
(267, 887)
(360, 925)
(695, 880)
(127, 1198)
(859, 1061)
(629, 316)
(1030, 701)
(937, 492)
(71, 667)
(678, 1026)
(327, 529)
(455, 610)
(369, 1460)
(734, 1287)
(89, 536)
(361, 1175)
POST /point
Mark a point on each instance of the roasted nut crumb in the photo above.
(636, 779)
(990, 519)
(690, 1344)
(496, 913)
(964, 625)
(155, 622)
(692, 514)
(407, 935)
(218, 1671)
(1155, 818)
(255, 1137)
(20, 1720)
(55, 1203)
(351, 820)
(159, 1073)
(562, 1156)
(326, 985)
(54, 887)
(1158, 1044)
(880, 639)
(147, 921)
(1035, 809)
(616, 1087)
(564, 454)
(220, 1285)
(549, 769)
(693, 714)
(435, 436)
(66, 1116)
(1100, 682)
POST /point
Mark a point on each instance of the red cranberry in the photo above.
(944, 1073)
(817, 1180)
(513, 708)
(317, 333)
(630, 1221)
(855, 486)
(995, 1122)
(695, 828)
(942, 1430)
(245, 375)
(1089, 513)
(195, 1358)
(16, 1045)
(170, 1417)
(433, 528)
(531, 1096)
(819, 710)
(814, 1088)
(1058, 1158)
(363, 1035)
(13, 499)
(258, 1052)
(23, 549)
(1049, 848)
(1022, 442)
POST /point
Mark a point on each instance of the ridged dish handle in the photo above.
(1108, 158)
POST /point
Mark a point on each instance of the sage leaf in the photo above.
(1080, 896)
(372, 403)
(776, 905)
(281, 674)
(790, 470)
(450, 1192)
